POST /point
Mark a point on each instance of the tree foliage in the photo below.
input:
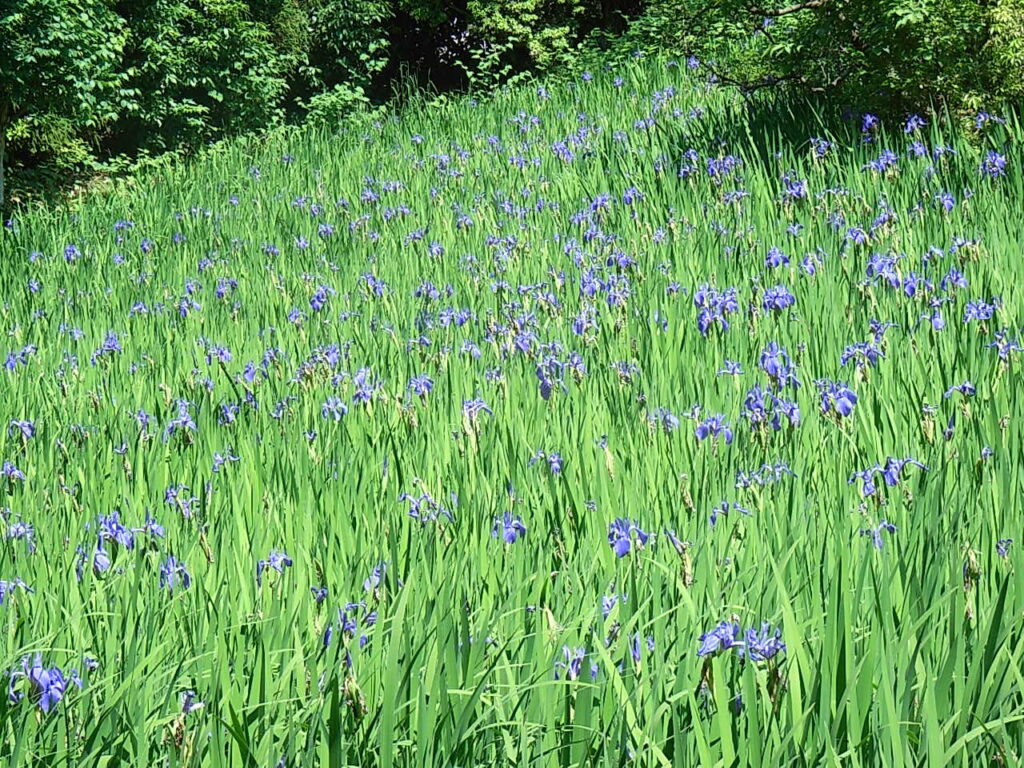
(87, 81)
(199, 70)
(60, 57)
(878, 54)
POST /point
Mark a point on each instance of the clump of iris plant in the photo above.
(426, 509)
(350, 623)
(553, 459)
(714, 307)
(766, 474)
(892, 474)
(762, 408)
(754, 645)
(723, 509)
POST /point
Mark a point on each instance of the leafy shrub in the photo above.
(879, 54)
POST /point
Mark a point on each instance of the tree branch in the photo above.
(748, 88)
(774, 13)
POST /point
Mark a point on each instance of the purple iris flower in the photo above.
(979, 310)
(863, 354)
(376, 576)
(111, 344)
(333, 408)
(663, 419)
(573, 664)
(967, 389)
(762, 645)
(894, 468)
(510, 527)
(190, 703)
(777, 299)
(837, 396)
(111, 529)
(7, 588)
(220, 459)
(48, 684)
(994, 165)
(714, 307)
(876, 533)
(723, 509)
(24, 531)
(914, 122)
(101, 559)
(622, 534)
(276, 560)
(730, 368)
(183, 421)
(473, 408)
(421, 385)
(776, 362)
(722, 638)
(713, 426)
(320, 297)
(11, 472)
(25, 427)
(173, 572)
(1004, 345)
(608, 602)
(776, 258)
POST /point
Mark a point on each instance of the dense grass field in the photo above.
(610, 423)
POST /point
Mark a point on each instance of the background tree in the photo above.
(58, 57)
(201, 70)
(886, 55)
(348, 49)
